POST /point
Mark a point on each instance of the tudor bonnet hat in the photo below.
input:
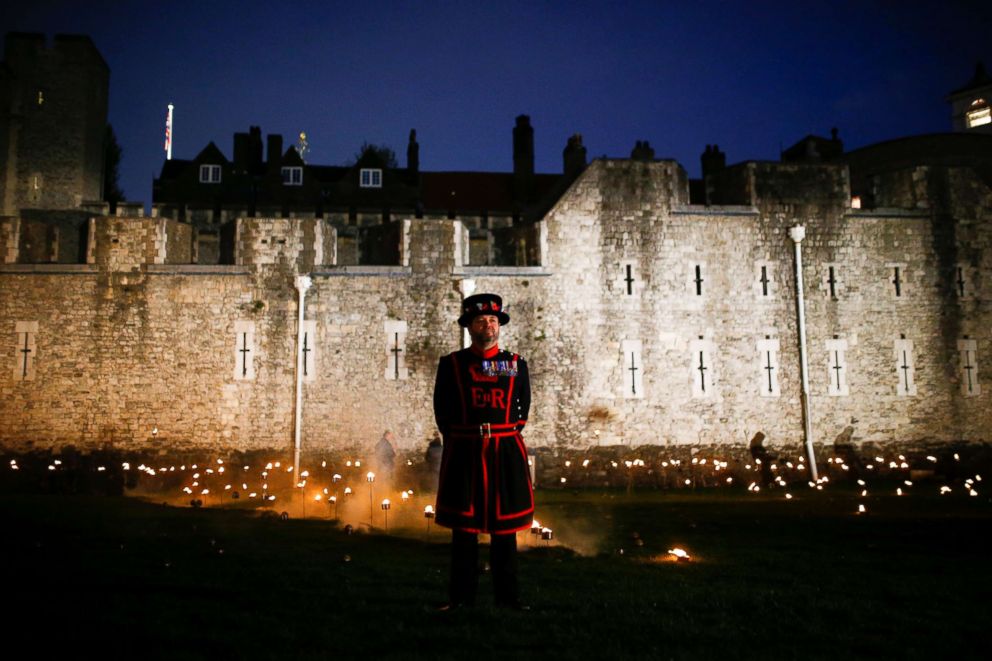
(480, 304)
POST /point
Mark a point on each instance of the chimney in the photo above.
(254, 147)
(274, 151)
(240, 152)
(642, 151)
(413, 154)
(574, 156)
(523, 147)
(713, 160)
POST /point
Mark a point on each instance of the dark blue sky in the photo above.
(750, 76)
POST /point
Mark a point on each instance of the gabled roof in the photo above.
(979, 80)
(211, 154)
(814, 148)
(292, 157)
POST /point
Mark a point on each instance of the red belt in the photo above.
(486, 430)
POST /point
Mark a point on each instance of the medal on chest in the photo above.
(499, 368)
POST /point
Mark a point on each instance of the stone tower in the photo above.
(53, 118)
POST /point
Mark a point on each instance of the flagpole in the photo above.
(168, 134)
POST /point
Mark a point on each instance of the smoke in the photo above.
(346, 498)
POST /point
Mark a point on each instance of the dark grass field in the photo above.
(112, 577)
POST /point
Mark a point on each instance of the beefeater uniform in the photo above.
(481, 403)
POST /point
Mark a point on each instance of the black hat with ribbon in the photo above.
(480, 304)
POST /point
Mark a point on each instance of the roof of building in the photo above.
(480, 190)
(979, 80)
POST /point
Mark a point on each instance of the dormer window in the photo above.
(979, 113)
(370, 178)
(209, 174)
(292, 176)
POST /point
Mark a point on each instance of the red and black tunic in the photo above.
(481, 402)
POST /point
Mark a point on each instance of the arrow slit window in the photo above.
(244, 351)
(701, 368)
(308, 348)
(395, 336)
(897, 280)
(768, 361)
(968, 367)
(764, 285)
(25, 350)
(837, 368)
(905, 368)
(632, 369)
(628, 282)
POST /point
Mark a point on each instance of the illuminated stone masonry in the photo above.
(650, 322)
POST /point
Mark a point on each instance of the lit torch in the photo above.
(429, 515)
(370, 476)
(385, 513)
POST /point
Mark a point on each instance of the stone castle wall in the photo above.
(143, 350)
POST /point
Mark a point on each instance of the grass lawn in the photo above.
(770, 578)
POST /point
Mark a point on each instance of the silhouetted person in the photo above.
(433, 459)
(385, 455)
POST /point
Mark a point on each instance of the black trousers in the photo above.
(465, 567)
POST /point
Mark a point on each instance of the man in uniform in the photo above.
(481, 402)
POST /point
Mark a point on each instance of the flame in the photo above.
(680, 554)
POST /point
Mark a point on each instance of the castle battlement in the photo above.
(645, 319)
